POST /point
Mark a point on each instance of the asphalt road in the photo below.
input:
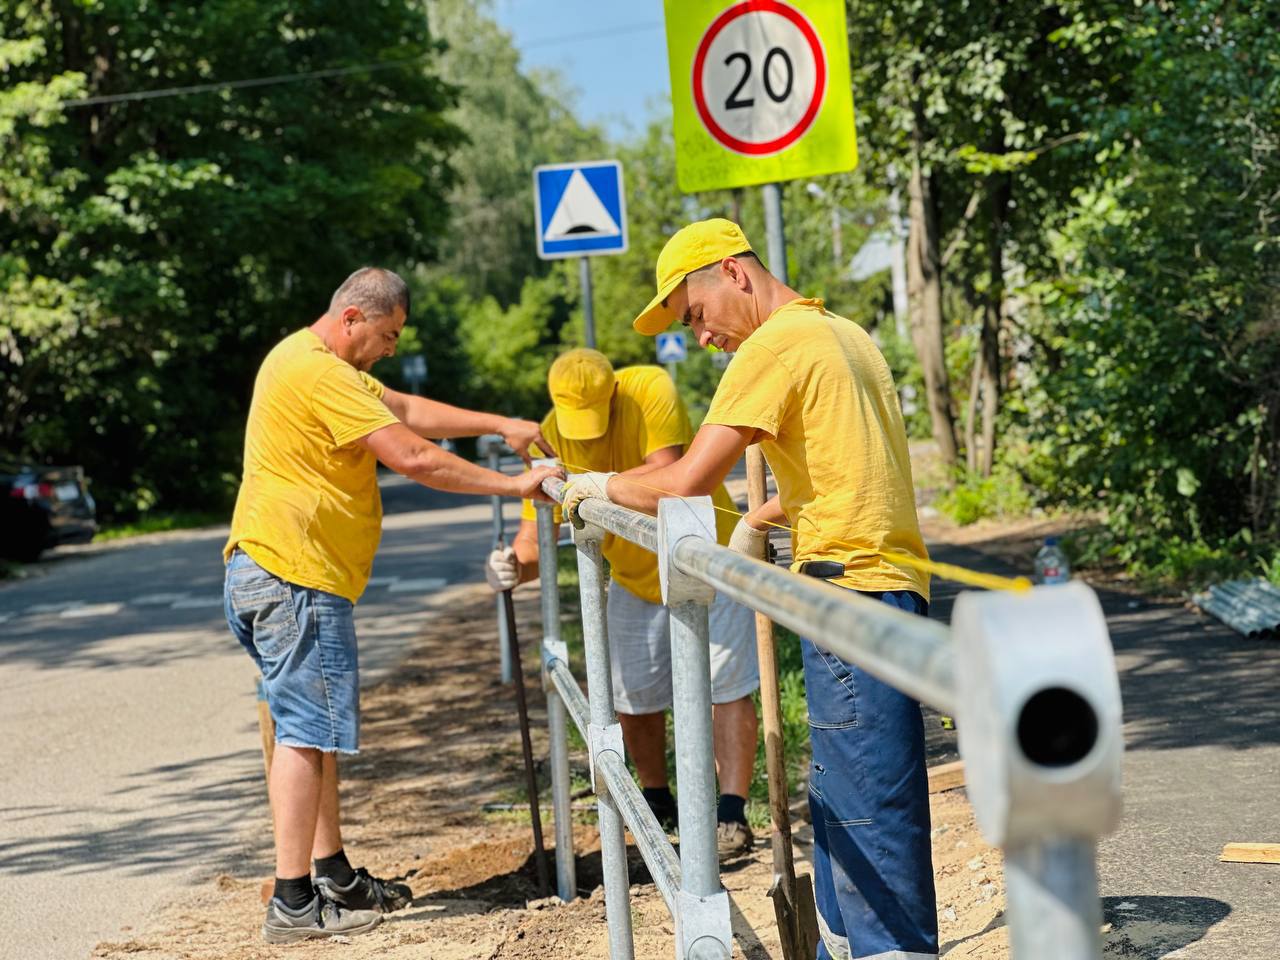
(128, 725)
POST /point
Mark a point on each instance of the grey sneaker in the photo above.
(733, 839)
(366, 892)
(320, 918)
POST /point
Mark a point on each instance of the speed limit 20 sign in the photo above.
(760, 90)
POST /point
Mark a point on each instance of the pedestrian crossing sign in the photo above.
(671, 348)
(580, 209)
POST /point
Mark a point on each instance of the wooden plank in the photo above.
(1251, 853)
(946, 776)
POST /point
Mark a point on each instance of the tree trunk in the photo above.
(992, 315)
(924, 298)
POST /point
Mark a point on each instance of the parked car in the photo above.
(41, 507)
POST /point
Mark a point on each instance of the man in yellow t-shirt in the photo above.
(635, 420)
(306, 525)
(814, 391)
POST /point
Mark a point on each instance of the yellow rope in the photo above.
(947, 571)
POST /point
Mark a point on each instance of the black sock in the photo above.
(336, 868)
(732, 808)
(295, 892)
(658, 796)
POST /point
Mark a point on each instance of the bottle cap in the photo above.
(1050, 541)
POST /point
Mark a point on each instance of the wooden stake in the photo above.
(946, 776)
(793, 903)
(267, 729)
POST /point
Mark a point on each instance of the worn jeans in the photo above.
(869, 801)
(304, 642)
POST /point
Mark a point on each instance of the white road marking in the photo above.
(52, 607)
(94, 610)
(5, 616)
(158, 599)
(382, 581)
(417, 586)
(194, 603)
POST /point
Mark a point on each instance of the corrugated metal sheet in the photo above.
(1250, 607)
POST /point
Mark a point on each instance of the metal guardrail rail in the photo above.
(1029, 676)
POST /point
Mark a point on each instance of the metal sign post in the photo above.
(580, 211)
(588, 308)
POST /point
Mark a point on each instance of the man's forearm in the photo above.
(431, 418)
(441, 470)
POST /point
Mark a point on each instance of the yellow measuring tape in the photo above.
(947, 571)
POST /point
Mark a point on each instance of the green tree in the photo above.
(172, 240)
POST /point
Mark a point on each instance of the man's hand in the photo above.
(749, 541)
(584, 486)
(502, 569)
(521, 434)
(528, 485)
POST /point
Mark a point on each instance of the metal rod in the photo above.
(909, 652)
(774, 231)
(651, 840)
(613, 844)
(906, 651)
(561, 803)
(526, 744)
(588, 309)
(695, 764)
(1054, 909)
(504, 644)
(636, 527)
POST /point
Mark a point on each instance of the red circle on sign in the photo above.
(819, 88)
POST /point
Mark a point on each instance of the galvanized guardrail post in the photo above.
(605, 736)
(703, 928)
(1040, 733)
(553, 649)
(490, 446)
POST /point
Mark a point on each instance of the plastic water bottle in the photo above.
(1051, 563)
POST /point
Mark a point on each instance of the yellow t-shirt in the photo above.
(309, 510)
(646, 415)
(817, 385)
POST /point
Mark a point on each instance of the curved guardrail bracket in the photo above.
(602, 740)
(703, 928)
(679, 518)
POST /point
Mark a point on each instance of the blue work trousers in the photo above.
(869, 802)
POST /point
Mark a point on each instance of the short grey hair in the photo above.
(374, 290)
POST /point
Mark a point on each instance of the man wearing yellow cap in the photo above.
(814, 391)
(635, 419)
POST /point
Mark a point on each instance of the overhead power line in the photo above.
(216, 85)
(242, 84)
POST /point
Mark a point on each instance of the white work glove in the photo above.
(502, 569)
(749, 541)
(583, 486)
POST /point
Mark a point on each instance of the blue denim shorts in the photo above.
(304, 642)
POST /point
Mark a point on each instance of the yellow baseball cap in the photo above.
(691, 248)
(581, 386)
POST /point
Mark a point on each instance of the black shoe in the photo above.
(367, 893)
(666, 812)
(320, 918)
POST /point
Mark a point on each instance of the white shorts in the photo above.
(640, 652)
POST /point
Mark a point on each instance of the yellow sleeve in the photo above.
(346, 403)
(666, 421)
(754, 391)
